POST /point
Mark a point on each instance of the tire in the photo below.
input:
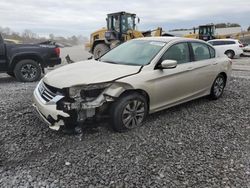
(100, 49)
(230, 54)
(27, 70)
(218, 87)
(128, 112)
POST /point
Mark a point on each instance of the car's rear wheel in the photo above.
(218, 87)
(230, 54)
(128, 112)
(27, 71)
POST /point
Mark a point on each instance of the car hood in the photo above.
(88, 72)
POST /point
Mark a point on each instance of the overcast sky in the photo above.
(74, 17)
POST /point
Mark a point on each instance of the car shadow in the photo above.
(179, 107)
(7, 79)
(94, 127)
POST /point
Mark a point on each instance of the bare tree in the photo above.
(28, 34)
(51, 36)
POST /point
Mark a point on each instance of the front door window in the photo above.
(178, 52)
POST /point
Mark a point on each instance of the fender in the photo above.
(24, 55)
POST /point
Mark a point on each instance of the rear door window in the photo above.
(217, 43)
(221, 42)
(229, 42)
(200, 50)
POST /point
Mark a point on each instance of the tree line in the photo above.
(226, 25)
(27, 36)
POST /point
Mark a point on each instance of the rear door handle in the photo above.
(215, 63)
(190, 68)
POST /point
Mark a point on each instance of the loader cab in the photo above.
(118, 24)
(207, 32)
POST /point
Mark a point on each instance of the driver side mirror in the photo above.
(168, 64)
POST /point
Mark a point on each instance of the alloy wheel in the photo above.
(219, 86)
(28, 71)
(133, 114)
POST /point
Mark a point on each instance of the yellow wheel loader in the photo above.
(207, 32)
(121, 27)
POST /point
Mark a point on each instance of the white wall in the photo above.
(219, 31)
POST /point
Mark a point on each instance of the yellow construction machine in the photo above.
(207, 32)
(121, 27)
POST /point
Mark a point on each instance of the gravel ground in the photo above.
(202, 143)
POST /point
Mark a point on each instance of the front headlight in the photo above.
(87, 90)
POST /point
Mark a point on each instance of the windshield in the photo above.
(206, 30)
(134, 52)
(128, 22)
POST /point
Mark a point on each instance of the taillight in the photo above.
(241, 46)
(57, 51)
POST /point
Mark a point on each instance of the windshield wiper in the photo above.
(112, 62)
(120, 63)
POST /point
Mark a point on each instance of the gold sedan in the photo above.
(138, 77)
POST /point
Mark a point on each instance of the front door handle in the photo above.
(190, 68)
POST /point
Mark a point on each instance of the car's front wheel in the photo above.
(218, 87)
(128, 112)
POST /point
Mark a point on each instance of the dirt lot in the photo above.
(202, 143)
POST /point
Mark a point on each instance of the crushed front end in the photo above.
(73, 105)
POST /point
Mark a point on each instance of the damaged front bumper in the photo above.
(48, 110)
(56, 111)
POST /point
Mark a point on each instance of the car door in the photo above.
(3, 63)
(174, 85)
(219, 46)
(204, 67)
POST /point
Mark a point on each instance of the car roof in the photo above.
(168, 39)
(223, 40)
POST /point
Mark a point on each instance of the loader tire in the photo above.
(100, 49)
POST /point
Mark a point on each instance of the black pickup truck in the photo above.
(26, 62)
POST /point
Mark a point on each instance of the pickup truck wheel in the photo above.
(100, 49)
(128, 112)
(27, 71)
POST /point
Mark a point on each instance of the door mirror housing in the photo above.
(168, 64)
